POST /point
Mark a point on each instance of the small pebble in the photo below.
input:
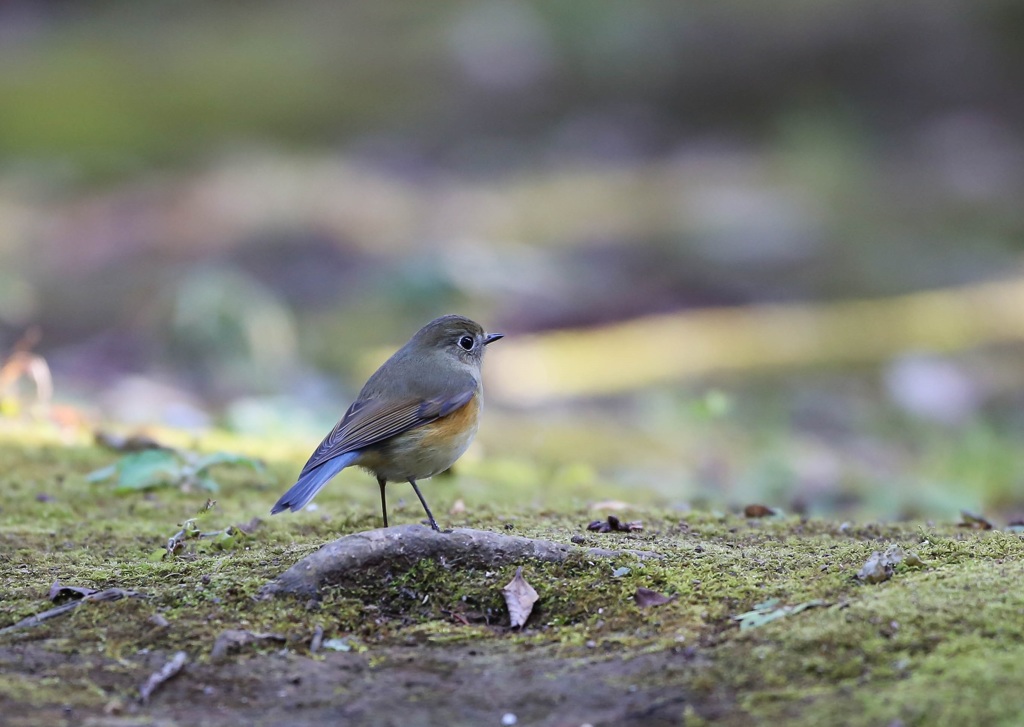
(508, 719)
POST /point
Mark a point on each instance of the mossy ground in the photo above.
(938, 644)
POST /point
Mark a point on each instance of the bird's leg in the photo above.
(383, 500)
(430, 516)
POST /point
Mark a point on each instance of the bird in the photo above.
(412, 419)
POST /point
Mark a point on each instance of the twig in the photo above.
(110, 594)
(168, 670)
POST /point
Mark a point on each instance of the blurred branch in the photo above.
(680, 346)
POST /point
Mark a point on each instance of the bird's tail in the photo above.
(310, 483)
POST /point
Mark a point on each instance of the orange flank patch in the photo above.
(447, 430)
(425, 450)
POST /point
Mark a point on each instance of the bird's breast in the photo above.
(427, 450)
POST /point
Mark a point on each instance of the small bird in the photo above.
(414, 417)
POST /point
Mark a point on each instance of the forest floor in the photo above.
(766, 622)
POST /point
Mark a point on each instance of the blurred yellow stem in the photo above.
(678, 346)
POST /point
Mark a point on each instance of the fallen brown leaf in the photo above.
(60, 592)
(758, 511)
(974, 522)
(646, 598)
(519, 597)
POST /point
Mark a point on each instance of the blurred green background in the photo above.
(222, 216)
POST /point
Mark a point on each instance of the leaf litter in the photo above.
(110, 594)
(224, 539)
(519, 597)
(758, 511)
(645, 598)
(880, 566)
(59, 592)
(973, 521)
(613, 524)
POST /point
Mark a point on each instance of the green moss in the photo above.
(935, 644)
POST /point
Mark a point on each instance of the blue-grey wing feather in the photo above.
(368, 422)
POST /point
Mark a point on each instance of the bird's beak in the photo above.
(492, 337)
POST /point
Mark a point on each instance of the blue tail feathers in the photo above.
(310, 483)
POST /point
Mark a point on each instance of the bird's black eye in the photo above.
(466, 342)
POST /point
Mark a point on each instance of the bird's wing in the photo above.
(369, 421)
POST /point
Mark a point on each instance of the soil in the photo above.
(400, 686)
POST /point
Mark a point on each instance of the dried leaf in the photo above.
(974, 522)
(519, 597)
(168, 670)
(645, 598)
(110, 594)
(59, 592)
(876, 569)
(770, 610)
(758, 511)
(879, 567)
(613, 524)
